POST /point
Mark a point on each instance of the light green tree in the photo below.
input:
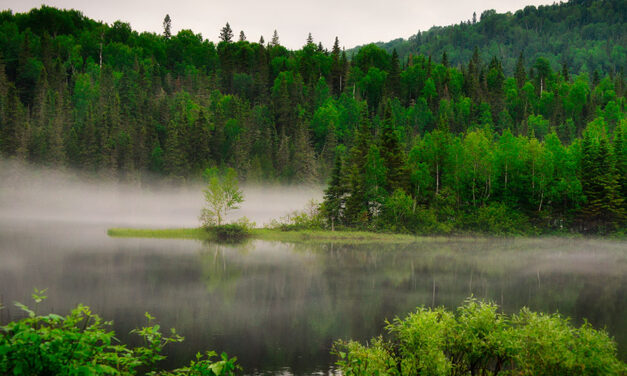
(221, 196)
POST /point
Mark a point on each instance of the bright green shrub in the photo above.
(82, 344)
(479, 340)
(236, 231)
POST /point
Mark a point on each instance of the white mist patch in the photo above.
(33, 194)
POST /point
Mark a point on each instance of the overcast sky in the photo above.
(353, 21)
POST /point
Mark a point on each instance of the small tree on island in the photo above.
(221, 196)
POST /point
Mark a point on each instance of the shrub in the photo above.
(496, 218)
(239, 230)
(478, 340)
(309, 218)
(82, 344)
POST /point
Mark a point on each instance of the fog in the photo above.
(29, 193)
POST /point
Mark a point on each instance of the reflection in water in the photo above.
(279, 306)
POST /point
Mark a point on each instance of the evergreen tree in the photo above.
(242, 36)
(167, 25)
(226, 34)
(334, 194)
(394, 158)
(520, 74)
(275, 39)
(394, 77)
(336, 68)
(356, 202)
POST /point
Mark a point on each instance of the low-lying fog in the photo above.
(30, 193)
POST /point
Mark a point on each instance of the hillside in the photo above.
(586, 35)
(421, 145)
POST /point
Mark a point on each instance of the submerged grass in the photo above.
(269, 234)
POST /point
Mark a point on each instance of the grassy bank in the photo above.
(267, 234)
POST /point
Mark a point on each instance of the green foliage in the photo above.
(479, 340)
(81, 343)
(221, 196)
(577, 29)
(460, 137)
(233, 232)
(310, 218)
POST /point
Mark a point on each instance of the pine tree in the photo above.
(242, 36)
(303, 157)
(275, 39)
(334, 195)
(356, 202)
(309, 39)
(262, 41)
(336, 68)
(394, 78)
(394, 158)
(226, 34)
(520, 74)
(167, 25)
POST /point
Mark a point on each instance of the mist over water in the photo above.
(30, 193)
(277, 306)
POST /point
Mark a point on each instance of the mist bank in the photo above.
(31, 193)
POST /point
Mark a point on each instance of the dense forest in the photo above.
(407, 144)
(585, 35)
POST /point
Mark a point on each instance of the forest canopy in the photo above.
(466, 137)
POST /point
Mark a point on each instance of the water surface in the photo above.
(278, 306)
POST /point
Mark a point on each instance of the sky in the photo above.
(355, 22)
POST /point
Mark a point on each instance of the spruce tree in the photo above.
(226, 34)
(394, 157)
(336, 68)
(356, 202)
(334, 195)
(242, 36)
(445, 59)
(520, 74)
(167, 25)
(275, 39)
(394, 77)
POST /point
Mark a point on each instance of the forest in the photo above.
(582, 34)
(408, 143)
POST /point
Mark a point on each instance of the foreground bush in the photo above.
(81, 344)
(232, 232)
(478, 340)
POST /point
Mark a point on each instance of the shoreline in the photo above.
(271, 235)
(198, 233)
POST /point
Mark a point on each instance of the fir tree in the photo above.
(226, 34)
(394, 77)
(394, 158)
(167, 25)
(334, 195)
(275, 39)
(520, 74)
(336, 68)
(242, 36)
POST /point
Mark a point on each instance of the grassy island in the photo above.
(266, 234)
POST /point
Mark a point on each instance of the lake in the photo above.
(278, 306)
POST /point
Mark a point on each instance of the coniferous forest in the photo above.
(481, 141)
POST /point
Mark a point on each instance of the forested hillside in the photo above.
(408, 145)
(584, 35)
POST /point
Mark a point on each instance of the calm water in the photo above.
(278, 307)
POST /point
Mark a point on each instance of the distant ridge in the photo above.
(585, 35)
